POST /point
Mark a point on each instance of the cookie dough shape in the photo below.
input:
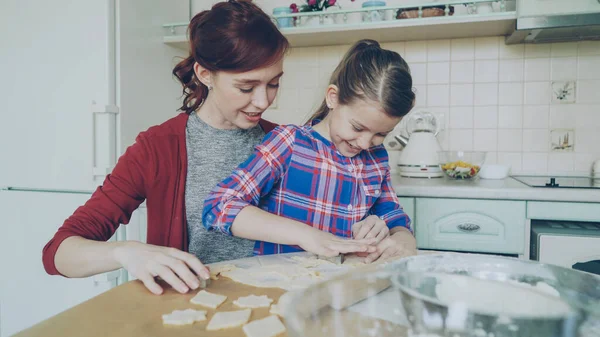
(228, 319)
(253, 301)
(209, 300)
(184, 317)
(270, 326)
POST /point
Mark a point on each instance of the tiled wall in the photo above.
(493, 97)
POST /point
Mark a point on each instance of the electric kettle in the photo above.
(419, 158)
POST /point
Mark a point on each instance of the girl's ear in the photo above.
(203, 74)
(331, 96)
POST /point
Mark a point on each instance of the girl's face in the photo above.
(240, 98)
(359, 126)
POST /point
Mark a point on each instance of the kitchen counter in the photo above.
(504, 189)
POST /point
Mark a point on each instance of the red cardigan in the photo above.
(154, 169)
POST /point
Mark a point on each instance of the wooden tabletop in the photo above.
(131, 310)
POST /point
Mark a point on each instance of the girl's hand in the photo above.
(145, 262)
(400, 244)
(371, 227)
(327, 244)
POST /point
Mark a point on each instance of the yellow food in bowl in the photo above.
(460, 169)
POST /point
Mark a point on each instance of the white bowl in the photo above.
(494, 171)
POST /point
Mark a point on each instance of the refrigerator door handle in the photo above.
(104, 122)
(111, 276)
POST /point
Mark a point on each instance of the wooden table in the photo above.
(131, 310)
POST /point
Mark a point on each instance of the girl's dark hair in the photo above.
(235, 36)
(369, 72)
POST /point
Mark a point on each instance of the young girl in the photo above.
(331, 174)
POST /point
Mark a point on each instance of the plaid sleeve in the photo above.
(250, 181)
(388, 208)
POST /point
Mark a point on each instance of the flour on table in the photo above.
(207, 299)
(228, 319)
(269, 326)
(253, 301)
(310, 262)
(183, 317)
(274, 309)
(216, 271)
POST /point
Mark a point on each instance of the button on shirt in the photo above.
(298, 174)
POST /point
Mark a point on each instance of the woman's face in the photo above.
(241, 98)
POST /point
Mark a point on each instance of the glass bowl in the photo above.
(461, 164)
(398, 299)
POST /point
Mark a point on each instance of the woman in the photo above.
(229, 80)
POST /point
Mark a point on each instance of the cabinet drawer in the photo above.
(408, 204)
(570, 211)
(471, 225)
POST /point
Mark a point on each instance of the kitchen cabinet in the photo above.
(408, 204)
(80, 80)
(556, 7)
(488, 226)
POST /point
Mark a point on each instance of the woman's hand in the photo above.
(370, 227)
(145, 262)
(400, 243)
(327, 244)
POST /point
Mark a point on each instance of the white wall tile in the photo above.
(461, 117)
(462, 72)
(510, 117)
(438, 72)
(438, 95)
(564, 69)
(514, 51)
(562, 117)
(510, 140)
(461, 139)
(511, 159)
(462, 49)
(331, 55)
(589, 48)
(537, 93)
(420, 95)
(563, 49)
(587, 117)
(536, 140)
(486, 71)
(536, 116)
(305, 77)
(461, 95)
(586, 141)
(485, 117)
(438, 50)
(486, 48)
(303, 56)
(485, 140)
(588, 91)
(511, 70)
(416, 51)
(398, 47)
(491, 157)
(442, 114)
(510, 93)
(583, 162)
(589, 68)
(486, 94)
(560, 162)
(537, 69)
(535, 162)
(537, 50)
(418, 72)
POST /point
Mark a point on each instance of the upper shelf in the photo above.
(430, 28)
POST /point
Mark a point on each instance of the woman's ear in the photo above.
(203, 74)
(331, 96)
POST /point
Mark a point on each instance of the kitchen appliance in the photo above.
(557, 181)
(567, 244)
(58, 152)
(542, 21)
(419, 158)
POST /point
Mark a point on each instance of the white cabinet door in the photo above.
(54, 66)
(27, 294)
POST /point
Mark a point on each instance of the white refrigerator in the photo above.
(78, 81)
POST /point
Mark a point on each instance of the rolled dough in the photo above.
(253, 301)
(183, 317)
(269, 326)
(207, 299)
(228, 319)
